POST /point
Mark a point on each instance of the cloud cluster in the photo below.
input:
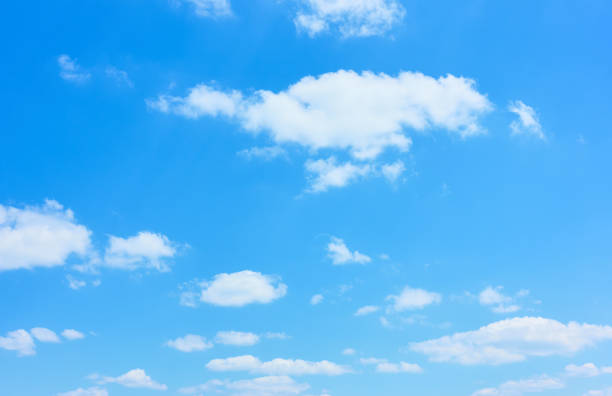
(384, 366)
(276, 366)
(412, 299)
(513, 340)
(23, 343)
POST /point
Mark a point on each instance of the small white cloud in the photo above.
(340, 254)
(527, 123)
(401, 367)
(586, 370)
(393, 171)
(20, 341)
(517, 388)
(94, 391)
(136, 378)
(120, 76)
(355, 18)
(499, 302)
(210, 8)
(324, 174)
(201, 101)
(44, 335)
(264, 386)
(144, 250)
(412, 299)
(276, 336)
(242, 288)
(236, 338)
(75, 284)
(265, 153)
(349, 352)
(71, 71)
(71, 334)
(366, 310)
(316, 299)
(190, 343)
(40, 236)
(276, 366)
(513, 340)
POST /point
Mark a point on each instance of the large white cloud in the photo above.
(513, 340)
(242, 288)
(94, 391)
(412, 299)
(72, 334)
(276, 366)
(190, 343)
(262, 386)
(144, 250)
(340, 254)
(236, 338)
(40, 236)
(350, 17)
(136, 378)
(364, 113)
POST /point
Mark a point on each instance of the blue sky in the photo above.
(306, 197)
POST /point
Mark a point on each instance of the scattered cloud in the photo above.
(20, 341)
(340, 254)
(277, 366)
(209, 8)
(71, 71)
(527, 123)
(71, 334)
(236, 338)
(383, 366)
(136, 378)
(324, 174)
(499, 303)
(355, 18)
(190, 343)
(119, 76)
(517, 388)
(40, 236)
(412, 299)
(94, 391)
(316, 299)
(144, 250)
(586, 370)
(262, 386)
(366, 310)
(44, 335)
(265, 153)
(349, 352)
(513, 340)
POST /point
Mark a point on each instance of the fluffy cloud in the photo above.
(316, 299)
(363, 113)
(351, 18)
(324, 174)
(136, 378)
(277, 366)
(366, 310)
(40, 236)
(527, 123)
(236, 338)
(340, 254)
(412, 299)
(70, 70)
(498, 302)
(262, 386)
(72, 334)
(144, 250)
(20, 341)
(44, 335)
(586, 370)
(85, 392)
(190, 343)
(517, 388)
(210, 8)
(513, 340)
(237, 290)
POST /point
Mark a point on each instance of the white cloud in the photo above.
(352, 18)
(40, 236)
(393, 171)
(145, 250)
(44, 335)
(242, 288)
(94, 391)
(75, 284)
(366, 310)
(499, 302)
(369, 361)
(276, 336)
(72, 334)
(190, 343)
(517, 388)
(602, 392)
(20, 341)
(265, 153)
(527, 123)
(262, 386)
(276, 366)
(71, 71)
(340, 254)
(236, 338)
(364, 113)
(349, 352)
(412, 299)
(401, 367)
(120, 76)
(324, 174)
(586, 370)
(513, 340)
(210, 8)
(136, 378)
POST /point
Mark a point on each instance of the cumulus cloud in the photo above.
(44, 335)
(190, 343)
(393, 171)
(136, 378)
(236, 338)
(364, 113)
(262, 386)
(237, 290)
(600, 392)
(20, 341)
(276, 366)
(513, 340)
(366, 310)
(517, 388)
(340, 254)
(71, 71)
(40, 236)
(94, 391)
(144, 250)
(412, 299)
(210, 8)
(71, 334)
(527, 123)
(351, 18)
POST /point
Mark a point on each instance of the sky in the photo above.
(306, 197)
